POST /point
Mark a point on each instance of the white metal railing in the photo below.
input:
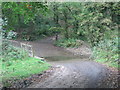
(27, 48)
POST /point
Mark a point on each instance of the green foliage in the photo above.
(56, 30)
(25, 9)
(18, 16)
(107, 51)
(68, 43)
(95, 23)
(10, 53)
(21, 69)
(90, 20)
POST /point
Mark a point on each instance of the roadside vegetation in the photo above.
(94, 23)
(17, 64)
(107, 52)
(21, 69)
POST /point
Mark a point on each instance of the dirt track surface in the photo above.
(84, 74)
(74, 71)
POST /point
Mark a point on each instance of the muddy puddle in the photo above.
(63, 58)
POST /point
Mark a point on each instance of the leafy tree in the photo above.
(19, 15)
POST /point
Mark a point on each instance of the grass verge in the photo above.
(20, 69)
(109, 63)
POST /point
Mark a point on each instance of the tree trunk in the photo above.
(56, 37)
(66, 24)
(56, 17)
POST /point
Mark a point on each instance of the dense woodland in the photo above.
(95, 23)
